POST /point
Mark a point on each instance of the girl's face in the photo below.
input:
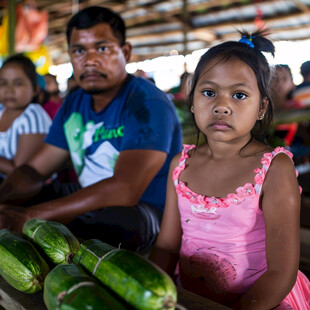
(16, 90)
(227, 101)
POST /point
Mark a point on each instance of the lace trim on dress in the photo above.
(241, 192)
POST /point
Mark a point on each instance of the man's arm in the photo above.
(27, 180)
(134, 170)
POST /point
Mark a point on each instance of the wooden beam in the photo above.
(11, 30)
(301, 6)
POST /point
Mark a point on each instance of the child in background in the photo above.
(231, 219)
(53, 102)
(23, 124)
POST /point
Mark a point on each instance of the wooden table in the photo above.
(11, 299)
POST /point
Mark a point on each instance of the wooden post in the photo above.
(11, 30)
(185, 30)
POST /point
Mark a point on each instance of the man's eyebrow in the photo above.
(96, 43)
(102, 41)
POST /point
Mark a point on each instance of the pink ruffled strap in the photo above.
(182, 160)
(266, 162)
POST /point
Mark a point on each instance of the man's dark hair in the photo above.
(94, 15)
(305, 69)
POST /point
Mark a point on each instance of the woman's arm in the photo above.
(166, 251)
(28, 144)
(281, 207)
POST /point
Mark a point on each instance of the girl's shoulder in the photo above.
(33, 107)
(278, 157)
(280, 166)
(36, 109)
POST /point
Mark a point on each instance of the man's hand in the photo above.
(13, 217)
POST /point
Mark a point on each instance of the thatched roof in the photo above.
(157, 27)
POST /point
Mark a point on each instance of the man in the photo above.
(121, 133)
(301, 95)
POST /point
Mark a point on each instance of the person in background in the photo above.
(143, 74)
(302, 92)
(121, 133)
(183, 89)
(231, 218)
(23, 123)
(53, 102)
(282, 90)
(283, 87)
(71, 85)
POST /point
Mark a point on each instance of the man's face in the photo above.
(97, 58)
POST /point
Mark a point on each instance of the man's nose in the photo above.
(91, 58)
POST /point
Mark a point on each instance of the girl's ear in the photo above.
(36, 91)
(264, 106)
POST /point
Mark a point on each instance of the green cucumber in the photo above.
(68, 287)
(134, 278)
(21, 265)
(55, 239)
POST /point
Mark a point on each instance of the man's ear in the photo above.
(126, 48)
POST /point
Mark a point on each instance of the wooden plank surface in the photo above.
(11, 299)
(194, 302)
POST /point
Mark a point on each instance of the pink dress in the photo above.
(223, 250)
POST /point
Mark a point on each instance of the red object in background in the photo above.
(290, 130)
(258, 21)
(31, 28)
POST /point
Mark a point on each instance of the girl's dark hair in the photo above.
(93, 15)
(27, 66)
(250, 52)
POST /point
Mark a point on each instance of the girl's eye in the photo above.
(209, 93)
(239, 96)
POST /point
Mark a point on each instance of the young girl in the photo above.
(231, 219)
(23, 125)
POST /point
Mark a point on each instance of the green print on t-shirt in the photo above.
(80, 137)
(106, 134)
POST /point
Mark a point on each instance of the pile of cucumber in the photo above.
(76, 276)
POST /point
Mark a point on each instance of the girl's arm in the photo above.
(28, 144)
(6, 166)
(166, 251)
(281, 208)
